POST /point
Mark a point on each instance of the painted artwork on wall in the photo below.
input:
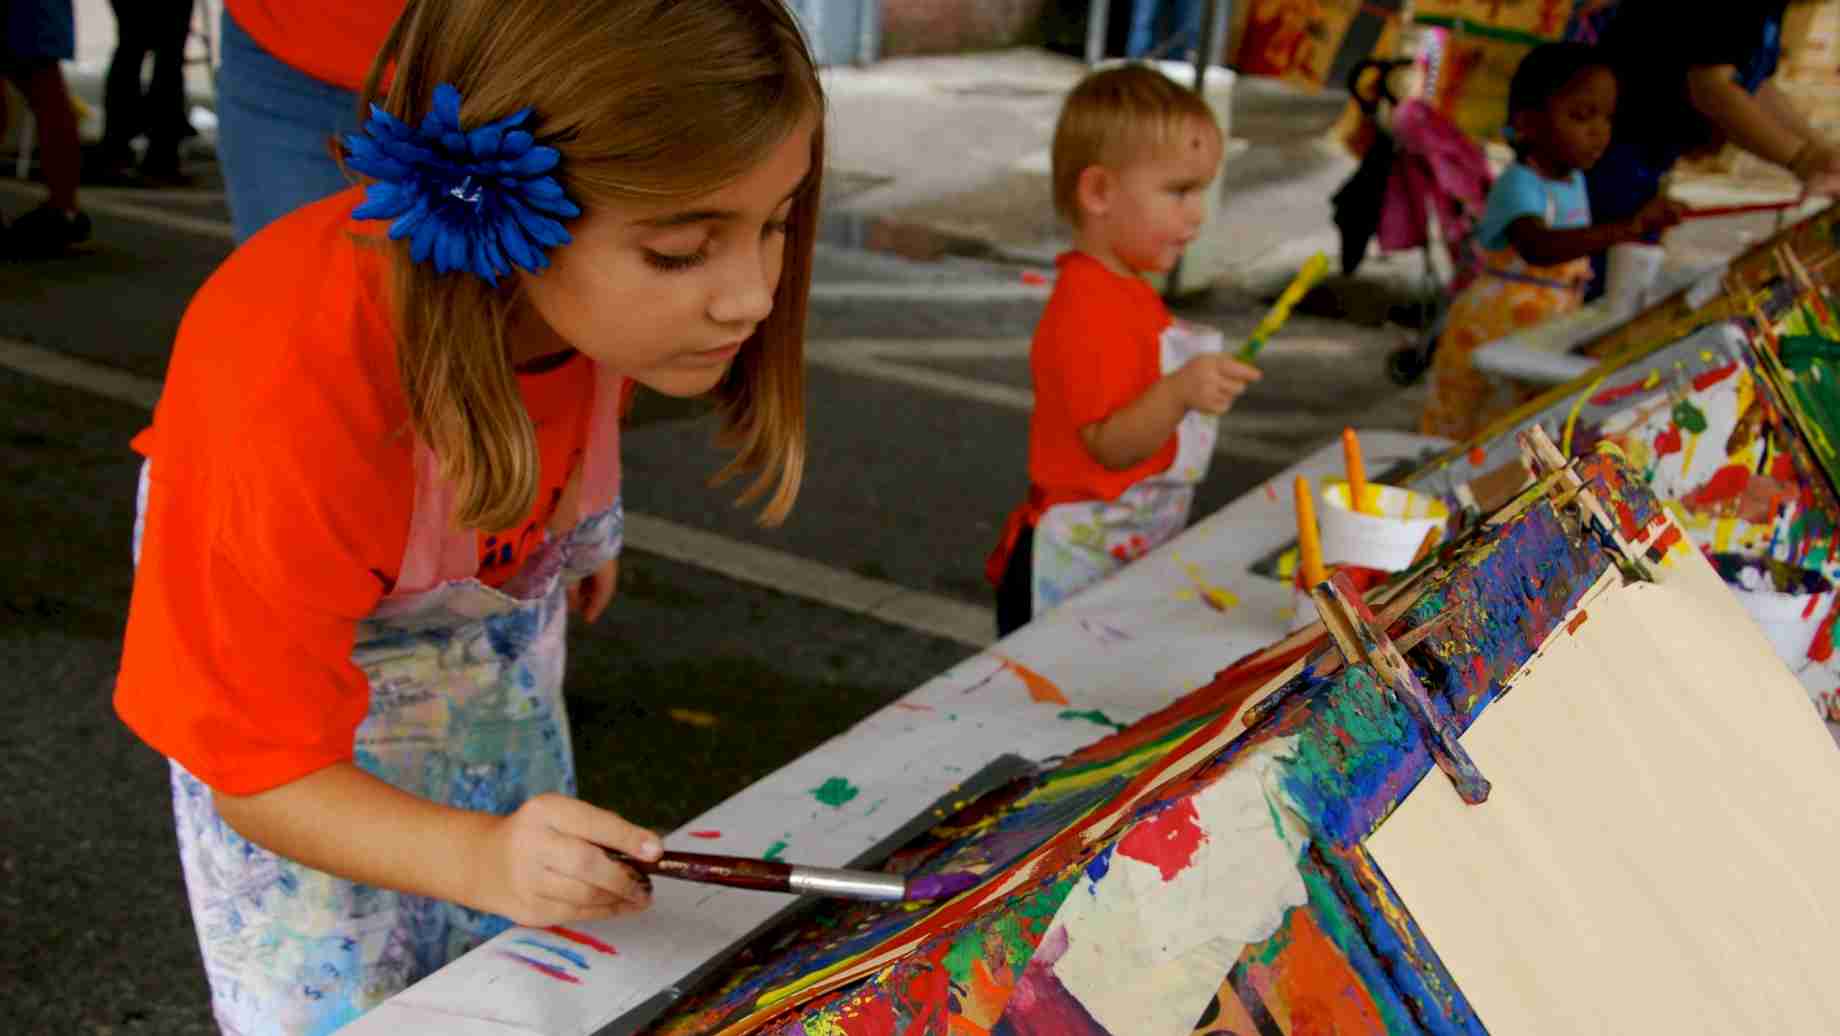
(1312, 43)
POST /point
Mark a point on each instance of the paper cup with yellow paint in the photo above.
(1387, 540)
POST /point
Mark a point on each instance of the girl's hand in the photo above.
(545, 864)
(1818, 167)
(590, 596)
(1210, 383)
(1659, 214)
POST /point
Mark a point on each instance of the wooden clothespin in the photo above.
(1362, 638)
(1545, 460)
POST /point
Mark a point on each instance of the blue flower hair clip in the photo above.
(480, 201)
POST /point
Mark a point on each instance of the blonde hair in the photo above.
(1116, 116)
(648, 101)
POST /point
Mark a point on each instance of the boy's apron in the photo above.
(1077, 544)
(466, 710)
(1508, 295)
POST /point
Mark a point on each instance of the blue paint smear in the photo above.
(1099, 867)
(569, 955)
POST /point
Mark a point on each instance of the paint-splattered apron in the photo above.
(1077, 544)
(466, 709)
(1510, 295)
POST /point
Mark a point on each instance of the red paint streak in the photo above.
(582, 938)
(1613, 395)
(1808, 612)
(1032, 277)
(868, 1015)
(536, 965)
(1725, 485)
(1665, 542)
(1270, 493)
(1477, 455)
(1040, 687)
(1713, 377)
(1626, 518)
(1480, 671)
(705, 834)
(1667, 441)
(1822, 648)
(1167, 840)
(1577, 621)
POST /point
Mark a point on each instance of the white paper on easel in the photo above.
(1657, 850)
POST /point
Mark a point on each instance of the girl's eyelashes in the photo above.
(668, 262)
(673, 263)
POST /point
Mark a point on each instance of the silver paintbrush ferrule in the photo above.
(864, 885)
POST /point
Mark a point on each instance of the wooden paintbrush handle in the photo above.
(733, 871)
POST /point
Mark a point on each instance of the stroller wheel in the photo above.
(1405, 366)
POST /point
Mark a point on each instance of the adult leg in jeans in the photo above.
(275, 128)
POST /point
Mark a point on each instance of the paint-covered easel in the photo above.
(1229, 835)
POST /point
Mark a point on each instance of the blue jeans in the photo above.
(1153, 21)
(275, 126)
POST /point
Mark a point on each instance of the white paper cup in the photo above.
(1387, 541)
(1789, 619)
(1633, 270)
(1786, 619)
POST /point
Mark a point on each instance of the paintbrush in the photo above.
(1300, 285)
(744, 872)
(1717, 211)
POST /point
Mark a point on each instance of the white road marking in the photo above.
(108, 205)
(745, 562)
(1243, 435)
(940, 291)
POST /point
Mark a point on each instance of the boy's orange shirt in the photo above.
(1097, 348)
(334, 42)
(281, 490)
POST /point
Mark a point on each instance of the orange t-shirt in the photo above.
(1097, 349)
(281, 490)
(333, 41)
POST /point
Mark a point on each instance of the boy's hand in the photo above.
(1659, 214)
(545, 864)
(1210, 383)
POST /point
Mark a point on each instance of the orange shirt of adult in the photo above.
(333, 41)
(282, 487)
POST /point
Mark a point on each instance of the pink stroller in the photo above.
(1422, 182)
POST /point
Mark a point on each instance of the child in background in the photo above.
(1126, 399)
(384, 466)
(1536, 235)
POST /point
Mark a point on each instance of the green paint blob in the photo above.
(1093, 716)
(1689, 417)
(774, 850)
(835, 792)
